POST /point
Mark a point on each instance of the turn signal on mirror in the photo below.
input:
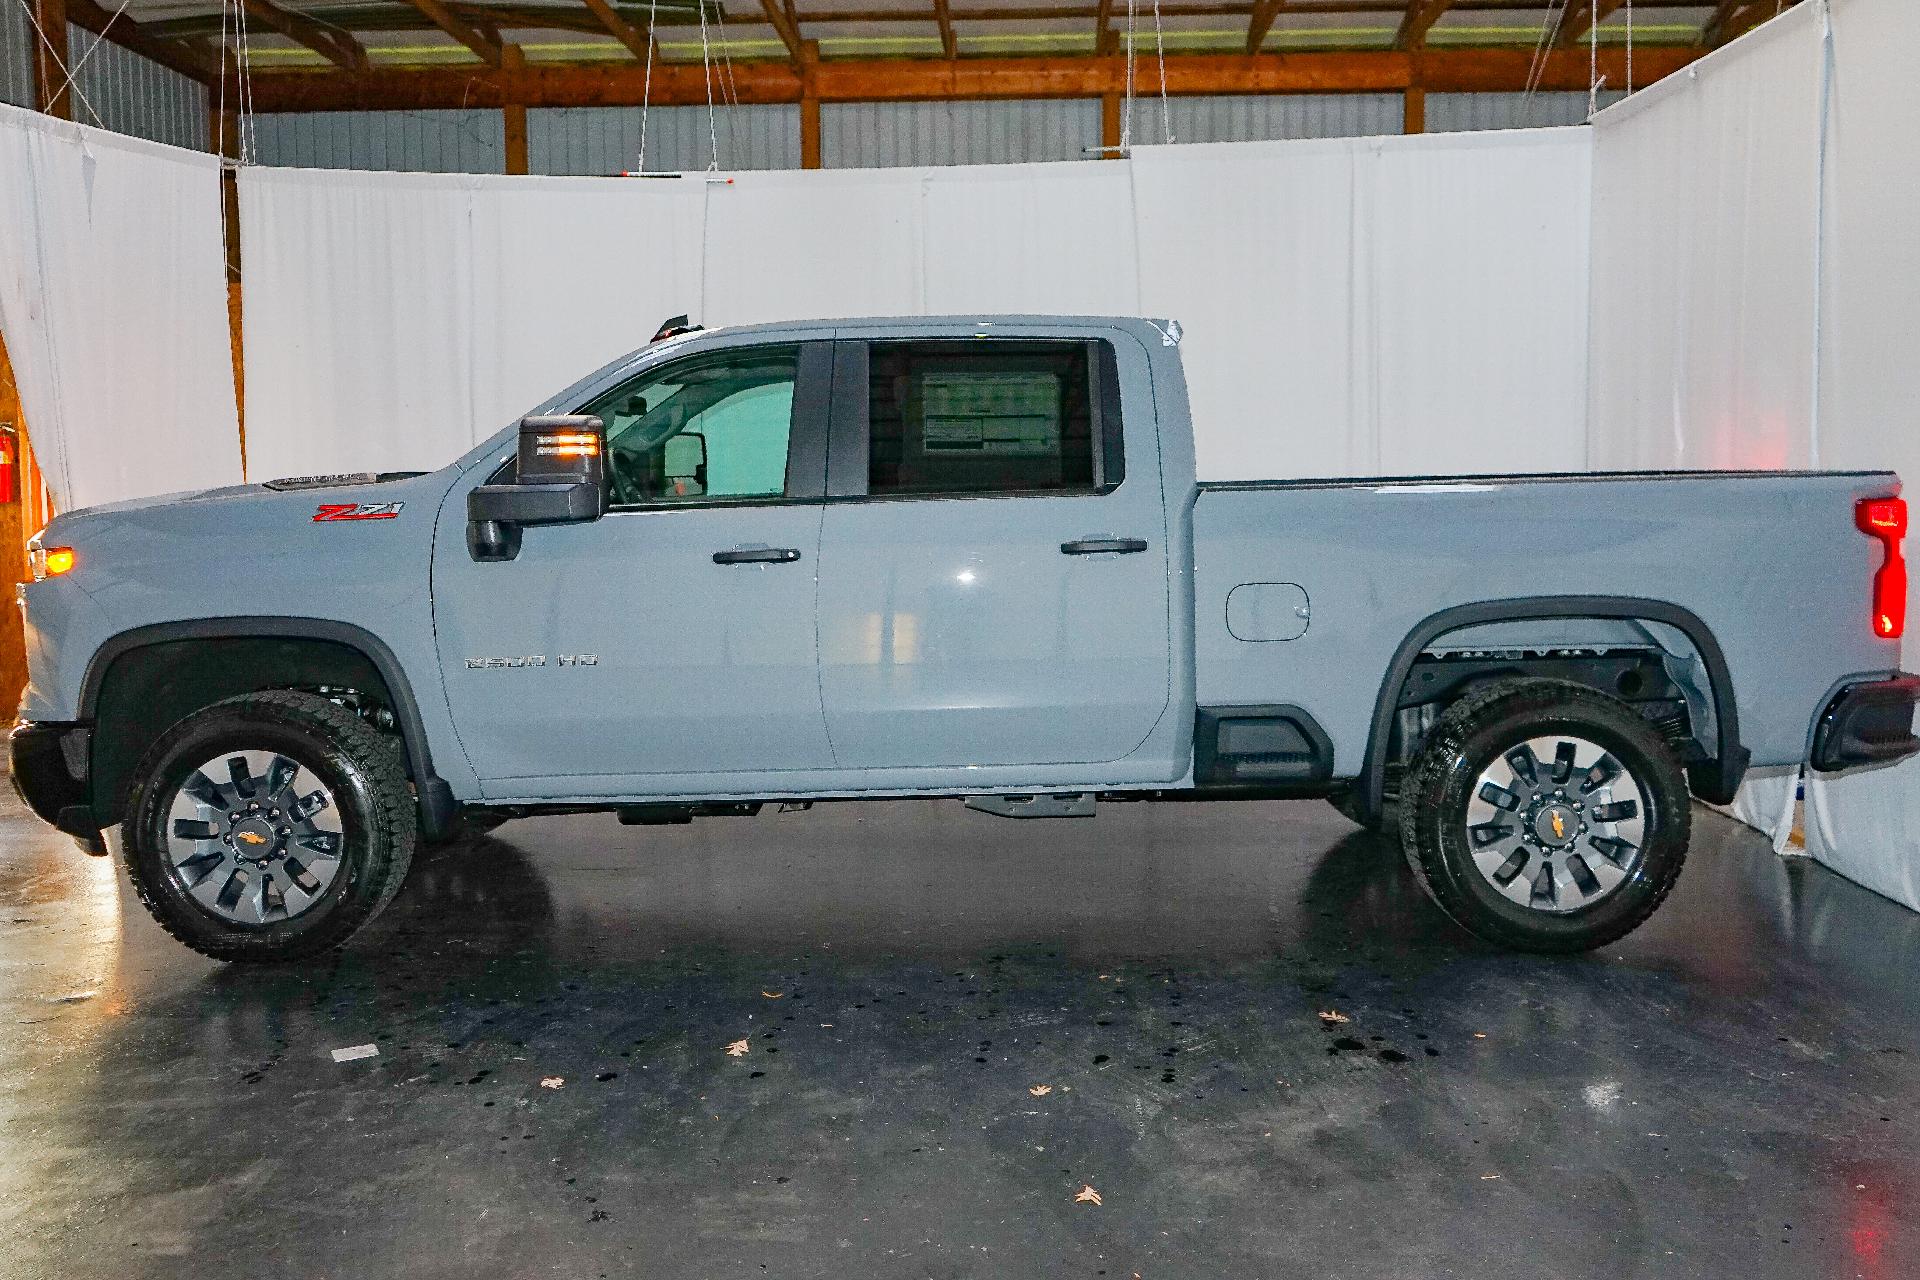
(49, 562)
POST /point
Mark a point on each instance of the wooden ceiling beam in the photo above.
(194, 61)
(487, 48)
(923, 79)
(1421, 15)
(1264, 12)
(1733, 18)
(787, 29)
(943, 14)
(336, 46)
(640, 46)
(1582, 18)
(1105, 39)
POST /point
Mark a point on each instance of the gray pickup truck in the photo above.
(939, 557)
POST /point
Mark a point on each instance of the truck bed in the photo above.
(1390, 568)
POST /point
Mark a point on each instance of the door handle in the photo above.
(1095, 546)
(757, 555)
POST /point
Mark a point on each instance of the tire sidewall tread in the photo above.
(1441, 777)
(369, 776)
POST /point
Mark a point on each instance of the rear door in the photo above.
(668, 646)
(993, 556)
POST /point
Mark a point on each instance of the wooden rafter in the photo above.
(485, 47)
(1264, 12)
(1734, 18)
(638, 44)
(1583, 17)
(604, 84)
(1421, 15)
(1105, 39)
(949, 43)
(190, 60)
(336, 46)
(787, 29)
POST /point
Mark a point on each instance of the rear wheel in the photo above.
(269, 827)
(1545, 816)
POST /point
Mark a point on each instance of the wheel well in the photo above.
(146, 690)
(1655, 655)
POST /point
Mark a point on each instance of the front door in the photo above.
(669, 646)
(994, 587)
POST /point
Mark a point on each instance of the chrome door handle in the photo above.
(757, 555)
(1096, 546)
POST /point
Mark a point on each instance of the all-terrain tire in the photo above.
(361, 769)
(1480, 729)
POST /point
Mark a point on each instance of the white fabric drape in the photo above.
(1756, 290)
(113, 306)
(392, 319)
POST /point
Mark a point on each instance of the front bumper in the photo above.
(1868, 723)
(50, 767)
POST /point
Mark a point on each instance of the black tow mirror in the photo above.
(559, 478)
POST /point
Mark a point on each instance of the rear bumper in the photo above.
(1868, 723)
(50, 774)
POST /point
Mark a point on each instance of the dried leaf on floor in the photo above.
(552, 1082)
(738, 1049)
(773, 995)
(1087, 1195)
(1041, 1090)
(1334, 1018)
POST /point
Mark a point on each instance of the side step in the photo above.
(1072, 804)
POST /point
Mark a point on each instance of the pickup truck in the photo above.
(939, 557)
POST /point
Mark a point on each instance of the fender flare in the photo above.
(1715, 781)
(438, 808)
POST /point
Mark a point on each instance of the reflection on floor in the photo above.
(953, 1023)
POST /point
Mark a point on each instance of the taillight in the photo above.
(1885, 520)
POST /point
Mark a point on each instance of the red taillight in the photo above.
(1885, 520)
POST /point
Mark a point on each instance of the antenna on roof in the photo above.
(674, 328)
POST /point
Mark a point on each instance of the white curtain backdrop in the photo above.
(392, 319)
(113, 306)
(1756, 287)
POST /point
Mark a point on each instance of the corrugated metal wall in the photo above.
(606, 140)
(404, 141)
(866, 135)
(133, 95)
(16, 52)
(1456, 112)
(1256, 117)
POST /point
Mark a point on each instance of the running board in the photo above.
(1070, 804)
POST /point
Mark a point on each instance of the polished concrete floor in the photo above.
(953, 1024)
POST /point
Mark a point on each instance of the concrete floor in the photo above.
(955, 1022)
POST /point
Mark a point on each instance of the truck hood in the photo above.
(297, 491)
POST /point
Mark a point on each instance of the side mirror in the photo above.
(559, 478)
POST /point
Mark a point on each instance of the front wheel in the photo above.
(269, 827)
(1545, 816)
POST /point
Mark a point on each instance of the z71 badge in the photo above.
(331, 511)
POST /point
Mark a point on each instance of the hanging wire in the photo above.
(1629, 48)
(1126, 116)
(1593, 62)
(92, 49)
(729, 91)
(60, 62)
(1160, 52)
(646, 84)
(706, 66)
(248, 148)
(1537, 69)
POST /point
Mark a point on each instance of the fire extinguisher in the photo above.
(9, 460)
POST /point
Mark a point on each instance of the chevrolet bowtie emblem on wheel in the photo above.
(251, 837)
(1559, 826)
